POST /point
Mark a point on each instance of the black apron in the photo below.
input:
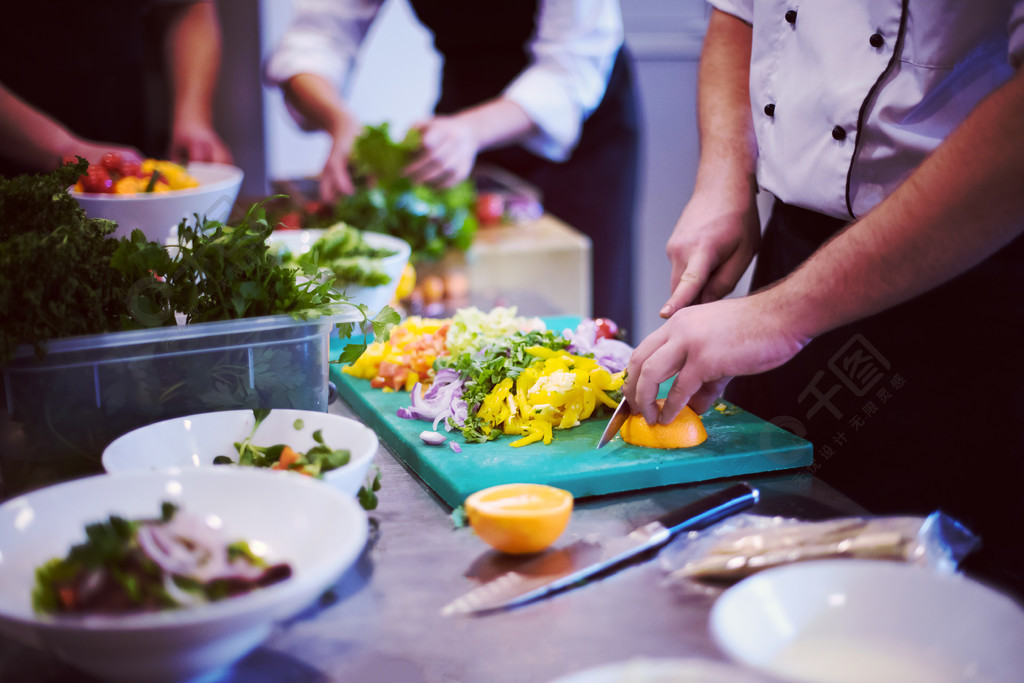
(92, 66)
(918, 408)
(484, 46)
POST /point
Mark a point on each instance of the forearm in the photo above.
(728, 146)
(316, 100)
(30, 137)
(959, 207)
(193, 53)
(497, 123)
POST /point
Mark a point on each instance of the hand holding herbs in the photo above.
(431, 220)
(127, 566)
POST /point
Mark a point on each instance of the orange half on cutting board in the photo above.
(686, 431)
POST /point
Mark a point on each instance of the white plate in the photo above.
(375, 298)
(663, 670)
(158, 214)
(851, 621)
(194, 441)
(318, 530)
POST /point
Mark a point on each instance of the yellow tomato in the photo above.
(519, 518)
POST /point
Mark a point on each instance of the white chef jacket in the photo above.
(849, 96)
(572, 53)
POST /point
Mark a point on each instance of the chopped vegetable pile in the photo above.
(489, 374)
(127, 566)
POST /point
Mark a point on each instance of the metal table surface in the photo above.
(382, 621)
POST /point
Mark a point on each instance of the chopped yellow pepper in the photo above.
(557, 391)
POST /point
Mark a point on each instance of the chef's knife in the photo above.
(619, 417)
(588, 556)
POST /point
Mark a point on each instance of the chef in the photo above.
(885, 324)
(542, 89)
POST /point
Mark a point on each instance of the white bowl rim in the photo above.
(254, 602)
(378, 239)
(727, 601)
(290, 413)
(234, 175)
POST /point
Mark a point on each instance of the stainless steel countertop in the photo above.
(382, 621)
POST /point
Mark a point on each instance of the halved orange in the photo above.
(519, 518)
(686, 431)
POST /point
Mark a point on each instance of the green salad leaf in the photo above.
(431, 220)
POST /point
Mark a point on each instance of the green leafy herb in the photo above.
(430, 220)
(367, 495)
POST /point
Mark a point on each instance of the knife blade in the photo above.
(618, 418)
(562, 568)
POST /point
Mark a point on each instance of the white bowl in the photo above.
(316, 529)
(844, 620)
(375, 298)
(663, 670)
(158, 214)
(194, 441)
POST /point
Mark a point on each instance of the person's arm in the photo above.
(192, 52)
(36, 140)
(311, 64)
(322, 108)
(718, 232)
(543, 108)
(960, 206)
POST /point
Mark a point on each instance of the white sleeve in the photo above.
(741, 9)
(322, 38)
(571, 57)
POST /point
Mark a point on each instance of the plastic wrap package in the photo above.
(745, 544)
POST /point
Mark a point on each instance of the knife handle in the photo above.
(710, 509)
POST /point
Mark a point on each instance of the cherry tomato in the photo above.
(97, 179)
(317, 208)
(606, 329)
(290, 221)
(111, 161)
(490, 208)
(130, 166)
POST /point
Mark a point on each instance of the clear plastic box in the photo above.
(57, 414)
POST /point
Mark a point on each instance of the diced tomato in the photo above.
(391, 375)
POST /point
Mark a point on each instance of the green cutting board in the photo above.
(738, 443)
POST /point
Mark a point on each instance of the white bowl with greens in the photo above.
(366, 266)
(312, 532)
(334, 448)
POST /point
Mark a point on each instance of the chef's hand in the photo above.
(195, 141)
(705, 346)
(335, 179)
(448, 149)
(711, 246)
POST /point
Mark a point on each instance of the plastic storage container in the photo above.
(57, 414)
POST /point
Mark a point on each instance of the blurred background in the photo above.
(665, 37)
